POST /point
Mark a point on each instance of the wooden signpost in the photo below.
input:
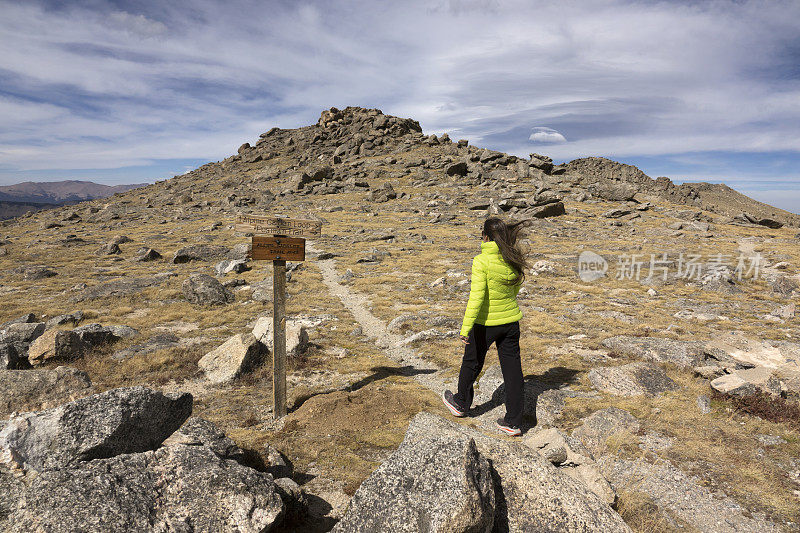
(278, 240)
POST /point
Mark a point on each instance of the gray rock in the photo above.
(231, 265)
(21, 334)
(198, 431)
(613, 191)
(294, 499)
(747, 381)
(296, 335)
(617, 213)
(200, 252)
(600, 425)
(60, 320)
(457, 169)
(531, 494)
(277, 464)
(33, 273)
(236, 356)
(11, 358)
(203, 289)
(36, 389)
(175, 488)
(681, 353)
(103, 425)
(553, 209)
(704, 404)
(147, 254)
(24, 319)
(56, 345)
(96, 335)
(432, 484)
(633, 379)
(111, 248)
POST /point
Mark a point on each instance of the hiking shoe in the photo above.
(450, 401)
(507, 428)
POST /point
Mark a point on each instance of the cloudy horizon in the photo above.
(128, 92)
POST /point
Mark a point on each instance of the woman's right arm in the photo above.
(477, 293)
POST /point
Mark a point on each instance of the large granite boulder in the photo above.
(531, 494)
(236, 356)
(633, 379)
(434, 484)
(103, 425)
(174, 488)
(36, 389)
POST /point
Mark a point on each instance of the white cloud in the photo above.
(546, 135)
(99, 88)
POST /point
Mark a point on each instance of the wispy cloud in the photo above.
(86, 86)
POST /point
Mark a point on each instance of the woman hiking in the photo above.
(493, 316)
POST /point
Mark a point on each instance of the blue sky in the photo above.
(121, 92)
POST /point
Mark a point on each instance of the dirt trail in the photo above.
(425, 372)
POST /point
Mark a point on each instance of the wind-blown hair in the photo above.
(506, 236)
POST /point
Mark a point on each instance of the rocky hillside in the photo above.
(659, 344)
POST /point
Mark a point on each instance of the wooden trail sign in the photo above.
(289, 227)
(278, 248)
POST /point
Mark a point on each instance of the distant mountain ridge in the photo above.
(18, 199)
(60, 192)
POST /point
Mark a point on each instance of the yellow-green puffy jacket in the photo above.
(492, 301)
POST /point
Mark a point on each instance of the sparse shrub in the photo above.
(763, 405)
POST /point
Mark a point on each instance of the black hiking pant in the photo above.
(506, 337)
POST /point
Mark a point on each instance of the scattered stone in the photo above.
(33, 273)
(617, 213)
(109, 249)
(103, 425)
(546, 211)
(236, 356)
(60, 320)
(633, 379)
(121, 287)
(735, 346)
(771, 440)
(457, 169)
(203, 289)
(436, 483)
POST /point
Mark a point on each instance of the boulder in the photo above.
(432, 484)
(200, 252)
(296, 335)
(55, 345)
(552, 209)
(680, 353)
(613, 191)
(456, 169)
(98, 335)
(68, 318)
(231, 265)
(747, 382)
(21, 334)
(203, 289)
(617, 213)
(111, 423)
(174, 488)
(159, 341)
(11, 358)
(531, 494)
(36, 389)
(745, 351)
(633, 379)
(236, 356)
(599, 426)
(147, 254)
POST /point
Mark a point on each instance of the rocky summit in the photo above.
(660, 348)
